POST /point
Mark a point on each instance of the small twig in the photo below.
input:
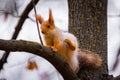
(37, 23)
(16, 7)
(116, 61)
(31, 19)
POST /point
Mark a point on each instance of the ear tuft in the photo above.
(39, 18)
(51, 20)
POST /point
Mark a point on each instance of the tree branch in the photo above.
(117, 77)
(37, 49)
(18, 28)
(23, 18)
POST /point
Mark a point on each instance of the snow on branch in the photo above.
(38, 49)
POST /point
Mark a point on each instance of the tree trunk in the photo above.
(88, 21)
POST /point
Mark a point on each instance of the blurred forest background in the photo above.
(16, 66)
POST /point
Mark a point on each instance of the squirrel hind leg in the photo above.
(70, 43)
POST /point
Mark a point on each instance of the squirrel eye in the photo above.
(48, 26)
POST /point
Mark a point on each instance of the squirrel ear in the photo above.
(39, 18)
(51, 20)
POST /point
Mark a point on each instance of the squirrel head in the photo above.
(48, 25)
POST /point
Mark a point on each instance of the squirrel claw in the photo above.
(54, 49)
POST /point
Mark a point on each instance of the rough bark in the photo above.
(37, 49)
(88, 21)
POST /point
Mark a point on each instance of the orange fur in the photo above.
(39, 18)
(71, 45)
(66, 45)
(58, 41)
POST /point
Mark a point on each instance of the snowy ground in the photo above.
(15, 69)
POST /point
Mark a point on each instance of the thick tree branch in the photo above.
(18, 28)
(117, 77)
(37, 49)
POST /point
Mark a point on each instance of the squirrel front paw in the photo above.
(54, 49)
(71, 45)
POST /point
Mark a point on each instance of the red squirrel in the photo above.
(64, 43)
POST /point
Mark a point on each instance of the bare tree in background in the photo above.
(9, 7)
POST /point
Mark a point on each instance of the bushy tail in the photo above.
(88, 59)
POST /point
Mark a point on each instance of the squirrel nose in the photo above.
(43, 32)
